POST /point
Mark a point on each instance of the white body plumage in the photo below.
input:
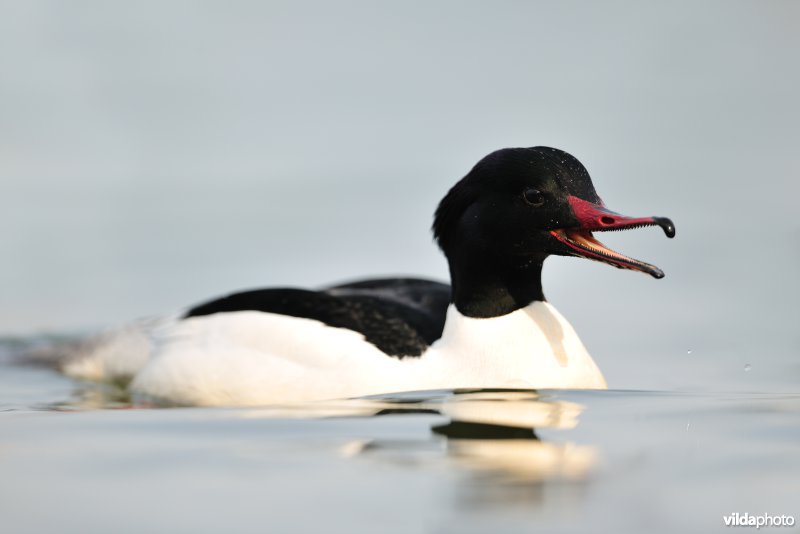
(255, 358)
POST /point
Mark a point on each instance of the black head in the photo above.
(514, 208)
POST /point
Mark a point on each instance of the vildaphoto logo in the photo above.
(764, 520)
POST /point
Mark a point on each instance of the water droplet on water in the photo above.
(747, 367)
(689, 351)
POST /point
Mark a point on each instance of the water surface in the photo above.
(78, 458)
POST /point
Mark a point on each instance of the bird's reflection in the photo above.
(490, 433)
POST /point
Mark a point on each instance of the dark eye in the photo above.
(533, 197)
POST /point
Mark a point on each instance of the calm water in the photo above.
(78, 458)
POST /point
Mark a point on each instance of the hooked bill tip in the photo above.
(669, 229)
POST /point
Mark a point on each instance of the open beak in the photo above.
(596, 218)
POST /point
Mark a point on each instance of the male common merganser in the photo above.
(492, 329)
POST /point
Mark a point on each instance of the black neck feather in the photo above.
(487, 289)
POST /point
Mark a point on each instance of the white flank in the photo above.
(255, 358)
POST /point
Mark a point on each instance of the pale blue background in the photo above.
(154, 154)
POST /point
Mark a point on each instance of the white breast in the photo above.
(534, 347)
(249, 357)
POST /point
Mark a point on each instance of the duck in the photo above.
(491, 327)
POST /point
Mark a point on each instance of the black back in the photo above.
(400, 316)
